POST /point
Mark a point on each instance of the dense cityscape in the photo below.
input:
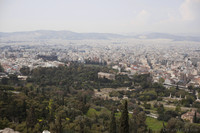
(175, 62)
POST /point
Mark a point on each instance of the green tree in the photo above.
(1, 68)
(133, 121)
(190, 88)
(13, 78)
(195, 117)
(52, 108)
(4, 81)
(150, 130)
(161, 80)
(160, 109)
(178, 109)
(140, 121)
(124, 120)
(25, 71)
(174, 125)
(82, 124)
(4, 122)
(52, 127)
(177, 87)
(58, 124)
(192, 128)
(113, 123)
(31, 118)
(147, 106)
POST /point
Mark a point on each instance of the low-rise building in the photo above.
(106, 75)
(190, 115)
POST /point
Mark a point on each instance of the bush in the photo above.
(167, 115)
(147, 106)
(147, 112)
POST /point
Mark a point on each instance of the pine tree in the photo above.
(124, 120)
(113, 123)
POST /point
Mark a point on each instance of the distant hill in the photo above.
(167, 36)
(69, 35)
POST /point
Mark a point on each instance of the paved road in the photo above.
(182, 108)
(152, 115)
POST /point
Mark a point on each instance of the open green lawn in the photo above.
(117, 115)
(154, 124)
(29, 85)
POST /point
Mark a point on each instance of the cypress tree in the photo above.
(177, 87)
(195, 117)
(1, 68)
(24, 113)
(124, 125)
(113, 123)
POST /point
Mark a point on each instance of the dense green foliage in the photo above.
(56, 99)
(62, 100)
(77, 76)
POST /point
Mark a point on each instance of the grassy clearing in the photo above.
(154, 124)
(117, 115)
(29, 85)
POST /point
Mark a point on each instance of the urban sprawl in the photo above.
(172, 62)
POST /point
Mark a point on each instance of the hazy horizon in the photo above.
(114, 16)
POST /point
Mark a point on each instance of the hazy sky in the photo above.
(113, 16)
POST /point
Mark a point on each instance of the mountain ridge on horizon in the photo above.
(70, 35)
